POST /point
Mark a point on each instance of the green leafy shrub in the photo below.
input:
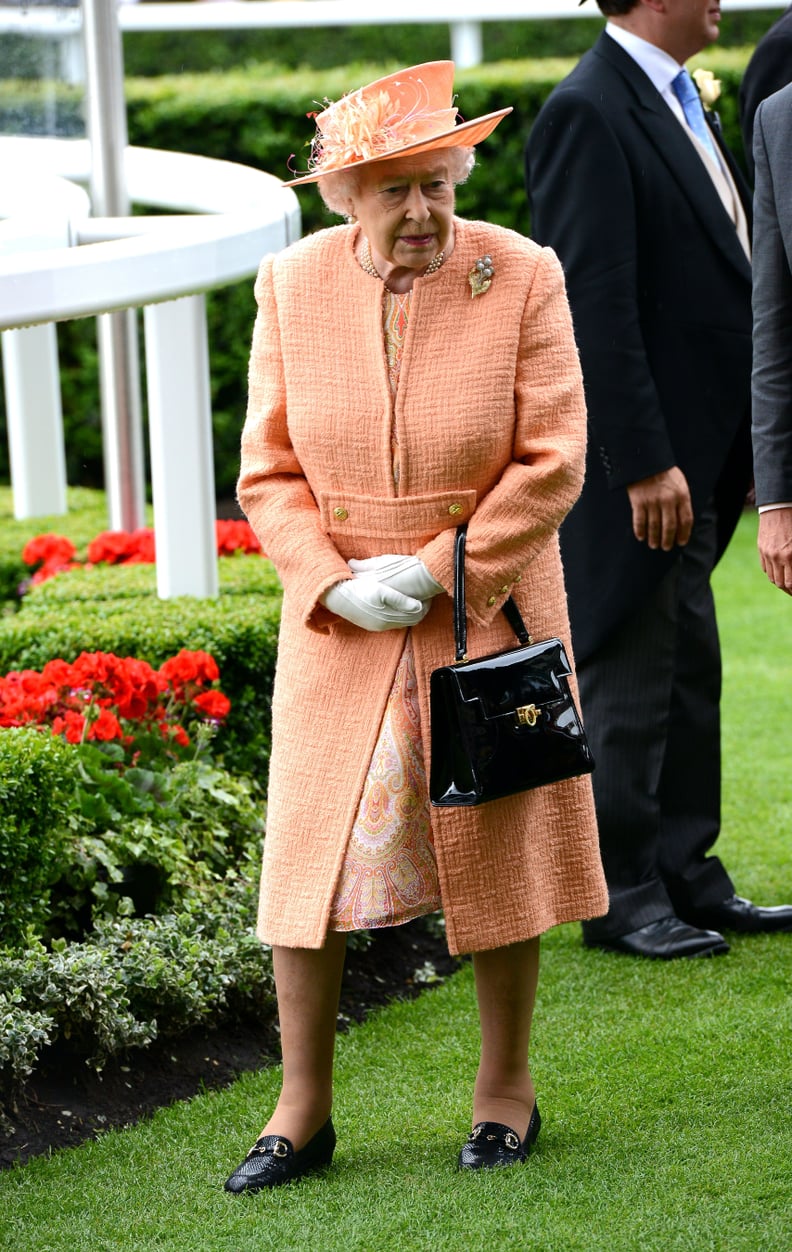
(188, 968)
(135, 979)
(146, 841)
(36, 774)
(23, 1035)
(80, 989)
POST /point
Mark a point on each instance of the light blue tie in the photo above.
(686, 93)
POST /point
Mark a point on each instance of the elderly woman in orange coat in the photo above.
(410, 371)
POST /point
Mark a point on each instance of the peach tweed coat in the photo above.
(491, 424)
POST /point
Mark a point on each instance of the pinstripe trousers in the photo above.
(650, 700)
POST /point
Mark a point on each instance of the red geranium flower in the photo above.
(122, 547)
(213, 704)
(71, 726)
(48, 548)
(177, 734)
(189, 667)
(235, 536)
(104, 697)
(105, 727)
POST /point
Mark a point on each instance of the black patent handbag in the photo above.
(502, 723)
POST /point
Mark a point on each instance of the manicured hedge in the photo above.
(35, 774)
(257, 116)
(150, 53)
(81, 611)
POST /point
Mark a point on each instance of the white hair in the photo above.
(339, 189)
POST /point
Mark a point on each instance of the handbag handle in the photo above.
(512, 613)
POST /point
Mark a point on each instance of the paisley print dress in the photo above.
(389, 874)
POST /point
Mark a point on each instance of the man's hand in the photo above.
(775, 547)
(662, 512)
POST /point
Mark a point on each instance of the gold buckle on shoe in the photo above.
(511, 1141)
(280, 1149)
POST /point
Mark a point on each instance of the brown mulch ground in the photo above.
(66, 1103)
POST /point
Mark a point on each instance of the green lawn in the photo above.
(665, 1088)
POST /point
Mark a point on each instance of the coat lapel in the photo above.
(662, 129)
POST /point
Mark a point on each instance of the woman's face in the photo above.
(405, 209)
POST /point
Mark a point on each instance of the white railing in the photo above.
(464, 18)
(56, 262)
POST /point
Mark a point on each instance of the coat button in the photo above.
(340, 513)
(491, 601)
(504, 590)
(455, 509)
(518, 578)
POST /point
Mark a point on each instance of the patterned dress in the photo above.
(389, 874)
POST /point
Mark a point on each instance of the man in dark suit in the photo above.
(633, 187)
(772, 305)
(769, 69)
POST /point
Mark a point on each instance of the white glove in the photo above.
(407, 574)
(373, 605)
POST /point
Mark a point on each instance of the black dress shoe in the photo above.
(273, 1161)
(743, 916)
(665, 939)
(491, 1144)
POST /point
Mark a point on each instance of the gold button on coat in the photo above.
(455, 509)
(340, 513)
(491, 600)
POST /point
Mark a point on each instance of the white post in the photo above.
(72, 57)
(122, 432)
(180, 435)
(117, 332)
(35, 421)
(467, 47)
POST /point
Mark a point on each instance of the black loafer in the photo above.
(743, 916)
(665, 939)
(272, 1161)
(491, 1144)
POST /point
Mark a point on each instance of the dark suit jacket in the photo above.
(660, 290)
(772, 373)
(769, 69)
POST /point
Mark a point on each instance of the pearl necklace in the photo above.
(368, 265)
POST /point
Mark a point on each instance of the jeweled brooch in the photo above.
(480, 277)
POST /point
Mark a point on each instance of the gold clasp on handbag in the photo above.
(527, 714)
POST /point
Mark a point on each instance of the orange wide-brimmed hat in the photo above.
(403, 114)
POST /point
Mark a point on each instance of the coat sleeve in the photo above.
(771, 383)
(580, 185)
(272, 489)
(521, 514)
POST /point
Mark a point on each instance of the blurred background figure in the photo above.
(772, 304)
(769, 69)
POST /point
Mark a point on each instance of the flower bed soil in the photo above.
(66, 1103)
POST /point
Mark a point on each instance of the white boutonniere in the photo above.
(709, 87)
